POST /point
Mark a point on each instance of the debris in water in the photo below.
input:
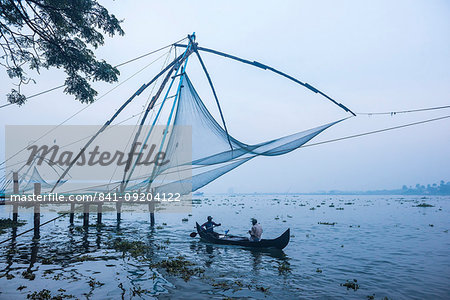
(351, 284)
(327, 223)
(179, 266)
(8, 223)
(424, 205)
(284, 268)
(28, 275)
(135, 248)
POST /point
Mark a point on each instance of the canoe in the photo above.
(278, 243)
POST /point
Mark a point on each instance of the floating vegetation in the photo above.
(135, 248)
(47, 295)
(47, 261)
(327, 223)
(138, 291)
(284, 268)
(351, 284)
(262, 289)
(44, 294)
(28, 275)
(179, 266)
(424, 205)
(222, 285)
(84, 258)
(94, 284)
(8, 223)
(21, 287)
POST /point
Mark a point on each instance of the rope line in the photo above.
(307, 145)
(116, 66)
(404, 111)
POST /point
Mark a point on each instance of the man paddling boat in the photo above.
(209, 226)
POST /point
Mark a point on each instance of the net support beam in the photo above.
(265, 67)
(214, 93)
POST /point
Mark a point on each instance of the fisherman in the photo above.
(209, 226)
(256, 231)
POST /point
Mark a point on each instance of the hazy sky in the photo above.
(371, 56)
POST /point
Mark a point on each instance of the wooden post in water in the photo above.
(118, 207)
(15, 191)
(151, 208)
(72, 212)
(86, 215)
(119, 210)
(37, 211)
(99, 213)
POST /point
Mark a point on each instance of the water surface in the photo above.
(391, 247)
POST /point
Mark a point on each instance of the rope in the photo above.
(87, 106)
(26, 231)
(116, 66)
(376, 131)
(404, 111)
(308, 145)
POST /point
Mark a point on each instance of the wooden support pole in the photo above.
(119, 210)
(118, 207)
(15, 191)
(37, 211)
(86, 215)
(99, 213)
(151, 208)
(72, 212)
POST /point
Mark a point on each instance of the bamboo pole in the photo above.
(15, 191)
(86, 215)
(37, 211)
(72, 212)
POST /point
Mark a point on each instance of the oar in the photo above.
(194, 234)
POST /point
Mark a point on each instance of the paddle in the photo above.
(194, 234)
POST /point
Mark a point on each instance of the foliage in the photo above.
(37, 34)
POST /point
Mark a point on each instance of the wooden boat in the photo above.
(278, 243)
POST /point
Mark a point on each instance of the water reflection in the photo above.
(377, 244)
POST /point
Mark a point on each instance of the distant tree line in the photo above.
(442, 188)
(431, 189)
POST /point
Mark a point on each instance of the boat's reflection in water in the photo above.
(256, 258)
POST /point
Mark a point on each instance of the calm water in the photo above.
(392, 248)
